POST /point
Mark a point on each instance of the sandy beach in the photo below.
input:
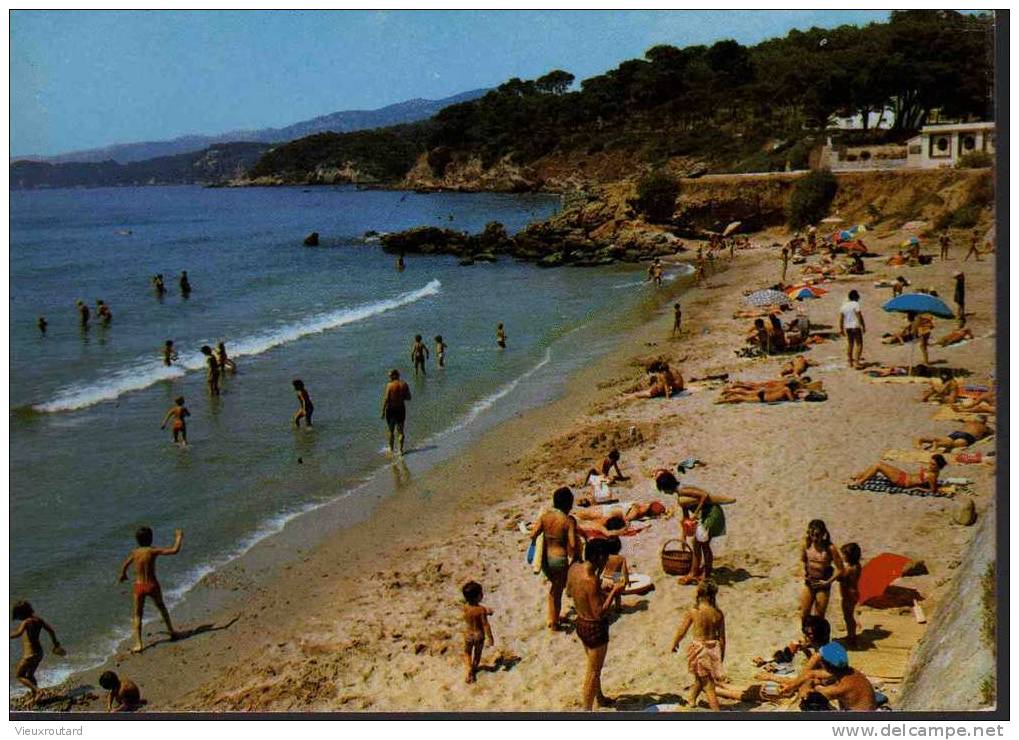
(370, 619)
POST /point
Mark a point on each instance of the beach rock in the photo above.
(311, 240)
(965, 513)
(915, 568)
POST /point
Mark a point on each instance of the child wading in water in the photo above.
(440, 351)
(180, 428)
(500, 336)
(307, 408)
(29, 630)
(705, 653)
(124, 694)
(849, 588)
(418, 355)
(476, 628)
(169, 353)
(143, 558)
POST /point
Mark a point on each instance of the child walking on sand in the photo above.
(124, 695)
(849, 588)
(143, 558)
(180, 429)
(306, 407)
(706, 651)
(476, 628)
(29, 630)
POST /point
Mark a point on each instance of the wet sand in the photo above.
(369, 619)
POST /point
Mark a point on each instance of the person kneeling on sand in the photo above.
(476, 628)
(924, 478)
(847, 686)
(706, 651)
(665, 383)
(591, 604)
(559, 546)
(124, 695)
(971, 432)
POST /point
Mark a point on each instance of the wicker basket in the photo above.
(677, 562)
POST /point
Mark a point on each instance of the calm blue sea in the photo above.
(88, 461)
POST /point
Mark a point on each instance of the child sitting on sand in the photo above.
(476, 628)
(124, 695)
(29, 630)
(615, 571)
(849, 588)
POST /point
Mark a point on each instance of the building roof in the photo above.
(950, 127)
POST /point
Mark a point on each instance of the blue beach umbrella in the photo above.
(919, 303)
(803, 294)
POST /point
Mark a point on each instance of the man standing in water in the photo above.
(83, 315)
(418, 355)
(592, 606)
(212, 363)
(185, 285)
(394, 410)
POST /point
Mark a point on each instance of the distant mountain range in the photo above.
(408, 111)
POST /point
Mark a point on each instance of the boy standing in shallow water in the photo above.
(29, 630)
(178, 413)
(143, 558)
(306, 408)
(418, 355)
(500, 336)
(476, 628)
(705, 653)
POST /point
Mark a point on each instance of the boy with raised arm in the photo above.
(143, 558)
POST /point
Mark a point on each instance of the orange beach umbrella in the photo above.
(879, 573)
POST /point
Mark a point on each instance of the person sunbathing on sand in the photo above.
(706, 652)
(971, 432)
(982, 405)
(143, 558)
(947, 392)
(797, 366)
(476, 628)
(959, 335)
(559, 531)
(924, 478)
(791, 390)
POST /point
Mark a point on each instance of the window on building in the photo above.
(915, 149)
(967, 143)
(941, 146)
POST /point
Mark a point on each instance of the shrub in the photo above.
(974, 160)
(989, 602)
(965, 217)
(656, 195)
(811, 198)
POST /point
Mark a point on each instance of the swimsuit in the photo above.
(819, 568)
(395, 417)
(965, 436)
(593, 632)
(553, 566)
(150, 588)
(704, 659)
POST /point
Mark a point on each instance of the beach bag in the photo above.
(677, 561)
(689, 527)
(713, 519)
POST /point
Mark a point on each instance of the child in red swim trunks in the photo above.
(143, 558)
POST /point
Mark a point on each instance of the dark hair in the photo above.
(759, 323)
(417, 337)
(615, 545)
(818, 525)
(298, 384)
(597, 549)
(206, 349)
(221, 345)
(615, 522)
(472, 592)
(21, 610)
(613, 454)
(843, 670)
(562, 499)
(819, 628)
(109, 681)
(394, 374)
(940, 460)
(854, 296)
(438, 337)
(179, 400)
(677, 305)
(851, 552)
(775, 323)
(666, 482)
(143, 536)
(169, 342)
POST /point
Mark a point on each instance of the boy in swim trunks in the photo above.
(418, 355)
(677, 318)
(560, 546)
(394, 409)
(143, 558)
(305, 408)
(610, 463)
(476, 628)
(179, 428)
(124, 695)
(591, 604)
(29, 630)
(706, 651)
(849, 588)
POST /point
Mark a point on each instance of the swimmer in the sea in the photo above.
(500, 336)
(159, 285)
(169, 353)
(179, 427)
(104, 313)
(83, 315)
(225, 363)
(440, 351)
(143, 558)
(185, 285)
(42, 324)
(212, 366)
(401, 265)
(418, 355)
(306, 408)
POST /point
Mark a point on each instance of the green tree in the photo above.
(555, 82)
(656, 195)
(811, 198)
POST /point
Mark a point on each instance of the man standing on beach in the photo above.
(785, 262)
(592, 605)
(851, 326)
(394, 410)
(677, 318)
(960, 297)
(944, 241)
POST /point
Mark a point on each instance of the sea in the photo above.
(88, 460)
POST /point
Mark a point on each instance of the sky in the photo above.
(85, 79)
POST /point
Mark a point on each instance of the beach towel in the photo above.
(899, 379)
(880, 484)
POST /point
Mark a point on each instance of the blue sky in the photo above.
(82, 79)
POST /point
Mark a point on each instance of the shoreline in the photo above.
(378, 602)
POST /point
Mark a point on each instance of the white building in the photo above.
(944, 144)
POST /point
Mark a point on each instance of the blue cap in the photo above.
(835, 655)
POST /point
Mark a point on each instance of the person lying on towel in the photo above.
(971, 432)
(924, 478)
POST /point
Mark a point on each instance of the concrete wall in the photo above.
(947, 668)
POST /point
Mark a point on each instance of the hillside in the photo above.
(209, 166)
(725, 108)
(407, 111)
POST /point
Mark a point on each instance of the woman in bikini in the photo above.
(924, 478)
(822, 564)
(559, 549)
